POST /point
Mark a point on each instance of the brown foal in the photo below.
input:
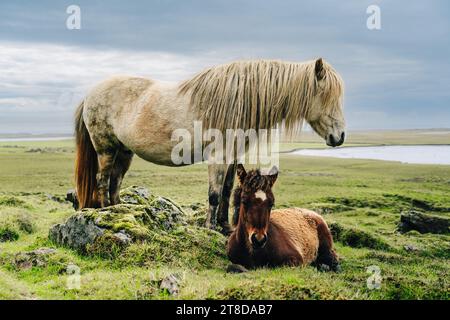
(263, 237)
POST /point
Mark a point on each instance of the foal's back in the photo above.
(300, 226)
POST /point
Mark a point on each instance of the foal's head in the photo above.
(255, 199)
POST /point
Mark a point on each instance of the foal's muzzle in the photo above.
(258, 243)
(335, 141)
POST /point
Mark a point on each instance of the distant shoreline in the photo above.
(436, 132)
(31, 138)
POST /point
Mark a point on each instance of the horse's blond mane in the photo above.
(260, 94)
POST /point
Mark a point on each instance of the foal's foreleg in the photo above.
(105, 167)
(326, 255)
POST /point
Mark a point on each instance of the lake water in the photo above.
(439, 154)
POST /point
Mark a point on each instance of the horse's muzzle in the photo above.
(333, 141)
(258, 243)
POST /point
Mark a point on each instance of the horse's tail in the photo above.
(86, 165)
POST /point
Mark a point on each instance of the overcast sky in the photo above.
(396, 77)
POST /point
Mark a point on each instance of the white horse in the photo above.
(123, 116)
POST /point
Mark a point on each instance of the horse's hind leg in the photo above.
(121, 166)
(105, 166)
(326, 255)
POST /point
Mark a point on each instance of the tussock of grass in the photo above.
(15, 223)
(25, 223)
(7, 233)
(11, 201)
(357, 238)
(187, 246)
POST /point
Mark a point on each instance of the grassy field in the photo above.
(361, 197)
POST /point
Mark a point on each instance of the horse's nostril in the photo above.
(341, 140)
(263, 240)
(332, 140)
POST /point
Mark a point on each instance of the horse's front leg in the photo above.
(221, 178)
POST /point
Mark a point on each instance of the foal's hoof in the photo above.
(327, 268)
(323, 267)
(337, 268)
(236, 268)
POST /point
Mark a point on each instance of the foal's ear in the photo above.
(273, 175)
(241, 173)
(318, 69)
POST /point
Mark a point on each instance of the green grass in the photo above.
(362, 199)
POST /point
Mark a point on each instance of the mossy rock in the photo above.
(143, 228)
(136, 195)
(423, 223)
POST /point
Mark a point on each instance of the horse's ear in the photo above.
(273, 175)
(241, 173)
(318, 69)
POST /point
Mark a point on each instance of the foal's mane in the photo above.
(260, 94)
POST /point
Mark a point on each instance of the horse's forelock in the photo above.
(253, 182)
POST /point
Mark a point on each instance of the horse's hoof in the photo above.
(105, 203)
(71, 196)
(226, 229)
(236, 268)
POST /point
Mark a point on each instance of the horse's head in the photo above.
(255, 199)
(325, 114)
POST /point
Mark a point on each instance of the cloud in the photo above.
(36, 75)
(47, 81)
